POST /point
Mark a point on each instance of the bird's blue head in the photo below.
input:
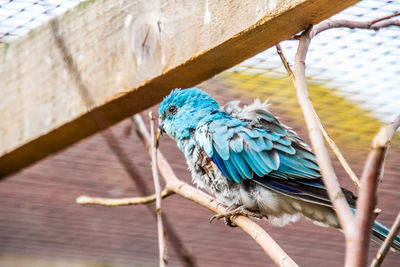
(182, 110)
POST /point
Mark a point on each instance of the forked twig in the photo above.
(328, 139)
(372, 22)
(160, 227)
(329, 177)
(356, 229)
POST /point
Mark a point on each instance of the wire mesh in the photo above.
(353, 74)
(19, 17)
(350, 71)
(360, 65)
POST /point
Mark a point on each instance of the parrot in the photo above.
(250, 161)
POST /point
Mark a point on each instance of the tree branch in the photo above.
(357, 248)
(328, 139)
(342, 23)
(357, 253)
(391, 129)
(384, 249)
(278, 256)
(345, 216)
(285, 62)
(160, 227)
(114, 202)
(335, 193)
(384, 18)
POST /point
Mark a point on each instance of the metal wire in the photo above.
(19, 17)
(344, 67)
(359, 65)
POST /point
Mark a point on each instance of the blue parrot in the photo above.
(249, 161)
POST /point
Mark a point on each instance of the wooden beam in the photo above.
(105, 60)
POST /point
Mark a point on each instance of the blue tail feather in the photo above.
(380, 232)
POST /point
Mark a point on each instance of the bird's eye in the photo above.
(172, 109)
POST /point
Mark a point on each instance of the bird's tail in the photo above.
(380, 232)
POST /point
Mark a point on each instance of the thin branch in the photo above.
(328, 139)
(367, 200)
(384, 18)
(384, 249)
(385, 24)
(335, 193)
(285, 62)
(160, 227)
(357, 238)
(357, 253)
(376, 25)
(340, 156)
(114, 202)
(341, 206)
(331, 24)
(278, 256)
(391, 129)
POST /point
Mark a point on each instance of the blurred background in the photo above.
(354, 79)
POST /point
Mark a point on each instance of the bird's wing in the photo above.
(265, 151)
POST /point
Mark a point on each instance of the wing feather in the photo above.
(266, 152)
(240, 164)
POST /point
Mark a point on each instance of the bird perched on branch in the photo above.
(250, 161)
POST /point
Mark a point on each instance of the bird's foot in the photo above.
(229, 214)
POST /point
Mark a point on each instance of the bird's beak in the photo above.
(161, 127)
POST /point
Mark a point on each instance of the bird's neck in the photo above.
(186, 145)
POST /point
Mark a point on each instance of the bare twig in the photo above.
(160, 227)
(328, 139)
(329, 177)
(376, 25)
(384, 18)
(391, 129)
(269, 245)
(357, 238)
(340, 156)
(114, 202)
(331, 24)
(384, 249)
(357, 252)
(285, 62)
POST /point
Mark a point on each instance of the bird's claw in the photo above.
(227, 216)
(227, 220)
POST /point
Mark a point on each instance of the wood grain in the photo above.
(128, 54)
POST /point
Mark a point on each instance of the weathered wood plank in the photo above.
(123, 57)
